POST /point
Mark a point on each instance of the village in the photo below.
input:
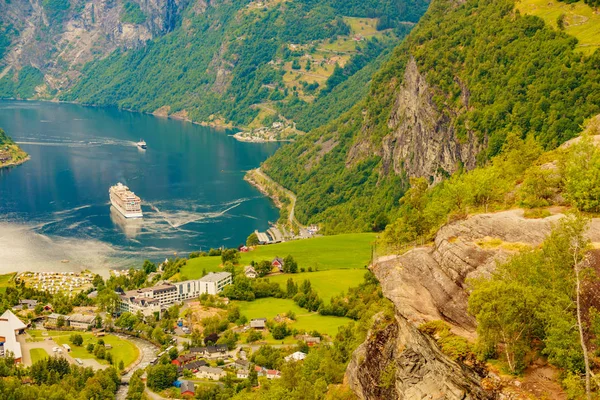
(91, 336)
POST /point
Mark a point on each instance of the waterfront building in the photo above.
(153, 299)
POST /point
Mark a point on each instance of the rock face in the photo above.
(429, 283)
(88, 30)
(399, 362)
(422, 141)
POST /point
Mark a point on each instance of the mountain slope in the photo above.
(222, 62)
(466, 76)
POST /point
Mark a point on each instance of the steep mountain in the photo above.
(45, 44)
(469, 74)
(221, 62)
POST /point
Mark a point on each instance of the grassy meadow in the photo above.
(580, 20)
(327, 283)
(121, 349)
(6, 280)
(37, 355)
(349, 251)
(305, 320)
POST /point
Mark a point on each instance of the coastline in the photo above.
(252, 177)
(16, 163)
(242, 138)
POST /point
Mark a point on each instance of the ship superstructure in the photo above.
(125, 201)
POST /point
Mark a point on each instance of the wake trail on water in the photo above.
(178, 219)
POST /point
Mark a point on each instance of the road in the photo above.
(291, 218)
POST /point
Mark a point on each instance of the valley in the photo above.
(433, 170)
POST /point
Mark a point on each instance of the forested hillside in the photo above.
(239, 62)
(466, 77)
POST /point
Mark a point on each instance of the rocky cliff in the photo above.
(430, 283)
(422, 139)
(60, 38)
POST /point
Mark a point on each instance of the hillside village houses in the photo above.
(153, 299)
(211, 373)
(75, 321)
(250, 272)
(10, 328)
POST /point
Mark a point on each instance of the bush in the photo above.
(76, 339)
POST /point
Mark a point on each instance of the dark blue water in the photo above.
(55, 207)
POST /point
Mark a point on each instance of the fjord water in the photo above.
(55, 212)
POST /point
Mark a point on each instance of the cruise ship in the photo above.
(125, 201)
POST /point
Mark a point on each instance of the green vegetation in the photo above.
(326, 283)
(122, 350)
(132, 13)
(305, 321)
(320, 253)
(7, 279)
(38, 354)
(545, 296)
(240, 56)
(21, 85)
(522, 76)
(56, 9)
(54, 378)
(578, 19)
(7, 32)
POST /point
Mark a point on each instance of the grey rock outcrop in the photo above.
(422, 141)
(88, 30)
(430, 283)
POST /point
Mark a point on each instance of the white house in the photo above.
(10, 327)
(214, 282)
(297, 356)
(210, 373)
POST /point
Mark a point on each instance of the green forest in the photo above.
(523, 78)
(219, 64)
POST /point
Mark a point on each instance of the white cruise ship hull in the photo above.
(125, 213)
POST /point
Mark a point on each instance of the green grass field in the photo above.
(37, 355)
(363, 26)
(121, 349)
(326, 283)
(270, 308)
(324, 253)
(580, 20)
(6, 281)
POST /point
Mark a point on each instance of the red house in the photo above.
(277, 262)
(187, 388)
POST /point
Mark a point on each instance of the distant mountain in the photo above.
(469, 74)
(223, 62)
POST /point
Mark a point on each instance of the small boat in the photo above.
(141, 144)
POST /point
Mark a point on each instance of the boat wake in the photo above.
(178, 219)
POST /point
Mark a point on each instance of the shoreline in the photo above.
(250, 177)
(241, 138)
(16, 163)
(154, 114)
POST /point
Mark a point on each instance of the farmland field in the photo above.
(326, 283)
(580, 20)
(6, 281)
(305, 320)
(321, 253)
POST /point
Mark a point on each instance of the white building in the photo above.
(210, 373)
(214, 282)
(153, 299)
(297, 356)
(80, 321)
(10, 327)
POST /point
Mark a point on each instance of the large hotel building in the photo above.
(155, 298)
